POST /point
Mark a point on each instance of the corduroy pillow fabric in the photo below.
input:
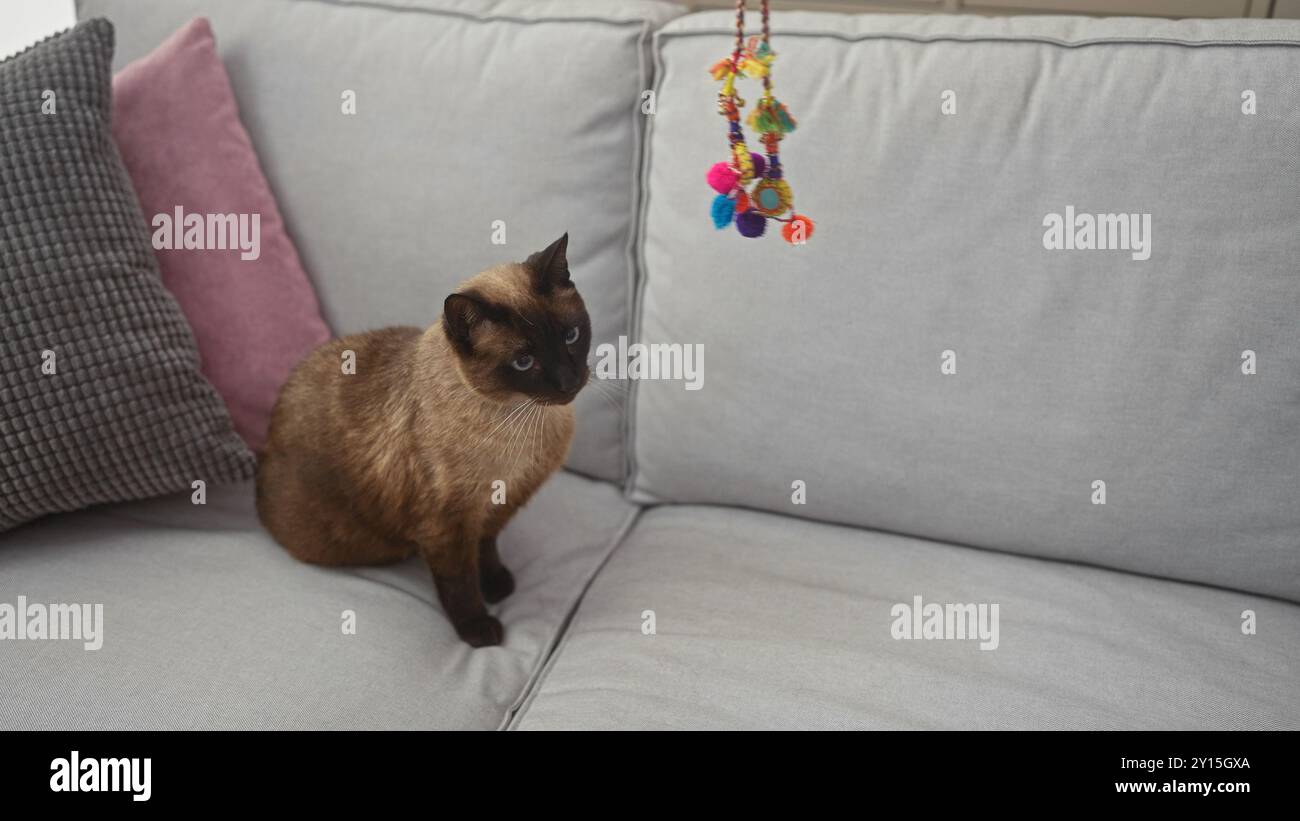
(254, 313)
(101, 399)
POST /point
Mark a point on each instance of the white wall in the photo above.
(23, 22)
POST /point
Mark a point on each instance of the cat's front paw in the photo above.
(481, 631)
(497, 585)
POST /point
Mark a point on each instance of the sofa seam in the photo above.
(640, 129)
(541, 670)
(638, 296)
(476, 18)
(375, 5)
(992, 38)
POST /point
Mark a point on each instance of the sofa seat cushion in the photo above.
(764, 621)
(208, 624)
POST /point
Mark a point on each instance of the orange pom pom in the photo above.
(798, 230)
(742, 201)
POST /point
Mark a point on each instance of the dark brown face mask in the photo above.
(532, 341)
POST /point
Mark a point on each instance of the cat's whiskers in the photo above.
(516, 432)
(538, 435)
(612, 397)
(598, 385)
(537, 426)
(527, 438)
(516, 442)
(518, 445)
(515, 410)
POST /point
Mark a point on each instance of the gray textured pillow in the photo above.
(100, 394)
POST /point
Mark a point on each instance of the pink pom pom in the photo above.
(721, 178)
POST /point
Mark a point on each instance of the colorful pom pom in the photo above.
(771, 116)
(798, 230)
(750, 224)
(760, 164)
(722, 178)
(771, 197)
(742, 201)
(724, 208)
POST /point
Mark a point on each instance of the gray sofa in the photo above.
(921, 401)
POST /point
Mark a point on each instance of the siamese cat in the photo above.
(401, 453)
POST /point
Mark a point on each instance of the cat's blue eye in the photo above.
(572, 335)
(522, 363)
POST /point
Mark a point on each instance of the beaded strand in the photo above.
(770, 197)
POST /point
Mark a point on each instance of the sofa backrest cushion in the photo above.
(476, 123)
(933, 152)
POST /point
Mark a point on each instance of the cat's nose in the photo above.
(569, 382)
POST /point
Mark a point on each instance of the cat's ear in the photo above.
(550, 267)
(461, 313)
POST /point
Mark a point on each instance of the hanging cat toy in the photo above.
(752, 188)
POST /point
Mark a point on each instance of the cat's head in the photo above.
(521, 329)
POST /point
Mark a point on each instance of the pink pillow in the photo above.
(252, 308)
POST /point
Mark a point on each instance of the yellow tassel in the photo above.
(753, 69)
(743, 161)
